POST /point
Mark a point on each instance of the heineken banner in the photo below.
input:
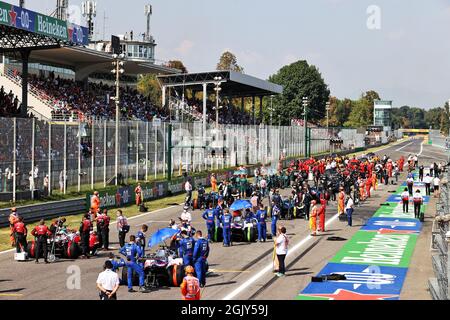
(17, 17)
(125, 196)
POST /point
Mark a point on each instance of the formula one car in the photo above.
(241, 230)
(64, 245)
(162, 268)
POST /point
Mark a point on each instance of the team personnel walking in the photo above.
(261, 216)
(200, 256)
(418, 201)
(282, 243)
(41, 234)
(405, 200)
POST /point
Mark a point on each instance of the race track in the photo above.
(242, 271)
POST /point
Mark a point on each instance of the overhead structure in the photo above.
(25, 31)
(233, 85)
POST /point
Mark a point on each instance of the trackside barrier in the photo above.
(439, 285)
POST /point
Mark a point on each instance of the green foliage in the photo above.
(149, 86)
(177, 64)
(228, 61)
(300, 80)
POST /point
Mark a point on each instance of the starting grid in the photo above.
(376, 260)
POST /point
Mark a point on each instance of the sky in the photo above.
(399, 48)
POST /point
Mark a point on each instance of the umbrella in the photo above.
(240, 204)
(161, 235)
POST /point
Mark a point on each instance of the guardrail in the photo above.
(439, 285)
(46, 210)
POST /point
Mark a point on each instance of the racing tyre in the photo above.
(251, 234)
(218, 235)
(72, 251)
(134, 277)
(176, 275)
(31, 249)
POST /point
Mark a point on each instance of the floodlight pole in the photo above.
(118, 63)
(305, 111)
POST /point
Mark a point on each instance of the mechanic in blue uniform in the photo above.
(210, 216)
(186, 249)
(261, 216)
(201, 253)
(219, 208)
(249, 215)
(140, 238)
(226, 221)
(275, 216)
(133, 252)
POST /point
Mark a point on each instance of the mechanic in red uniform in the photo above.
(85, 229)
(41, 234)
(20, 235)
(105, 229)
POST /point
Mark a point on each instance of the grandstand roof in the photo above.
(234, 84)
(96, 60)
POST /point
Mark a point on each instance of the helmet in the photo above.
(189, 269)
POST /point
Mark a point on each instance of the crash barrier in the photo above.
(439, 284)
(373, 264)
(46, 210)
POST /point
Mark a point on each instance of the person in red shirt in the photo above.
(322, 212)
(104, 230)
(93, 243)
(41, 234)
(85, 229)
(20, 235)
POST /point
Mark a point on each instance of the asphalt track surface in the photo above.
(243, 271)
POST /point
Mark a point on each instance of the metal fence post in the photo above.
(164, 149)
(146, 151)
(79, 156)
(156, 151)
(49, 158)
(14, 158)
(104, 153)
(65, 157)
(33, 127)
(92, 154)
(137, 151)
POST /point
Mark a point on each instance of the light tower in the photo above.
(61, 9)
(148, 10)
(89, 11)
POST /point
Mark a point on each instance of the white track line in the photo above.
(404, 146)
(269, 267)
(421, 147)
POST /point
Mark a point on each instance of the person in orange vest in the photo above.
(322, 212)
(368, 186)
(20, 234)
(138, 192)
(95, 204)
(213, 182)
(190, 288)
(389, 168)
(341, 201)
(362, 193)
(13, 219)
(374, 181)
(313, 218)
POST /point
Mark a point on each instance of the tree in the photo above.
(149, 87)
(228, 61)
(360, 115)
(177, 64)
(300, 80)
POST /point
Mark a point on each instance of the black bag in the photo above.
(126, 228)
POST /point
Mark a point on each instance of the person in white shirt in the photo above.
(31, 179)
(418, 200)
(428, 180)
(436, 183)
(188, 189)
(410, 184)
(349, 209)
(186, 216)
(282, 243)
(405, 200)
(263, 185)
(108, 282)
(122, 227)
